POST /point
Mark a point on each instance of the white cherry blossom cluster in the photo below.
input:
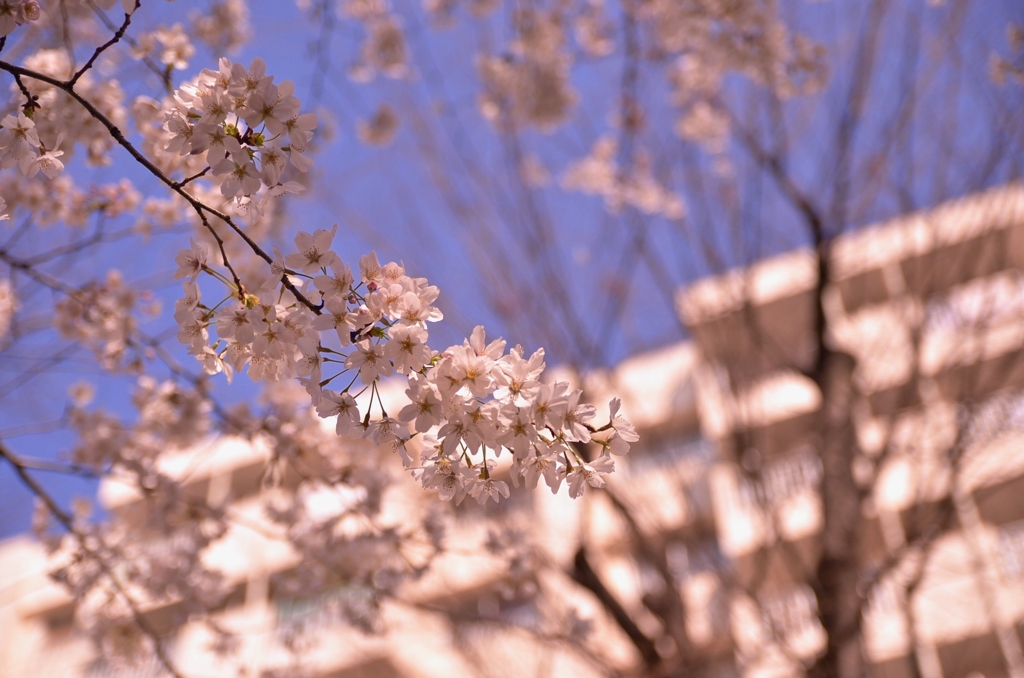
(384, 49)
(159, 544)
(224, 26)
(531, 86)
(101, 316)
(470, 403)
(169, 44)
(249, 128)
(43, 125)
(57, 113)
(600, 174)
(380, 129)
(60, 201)
(20, 145)
(14, 13)
(442, 11)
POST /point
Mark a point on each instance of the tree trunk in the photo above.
(838, 570)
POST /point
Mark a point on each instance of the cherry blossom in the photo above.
(475, 400)
(248, 129)
(191, 261)
(14, 13)
(314, 251)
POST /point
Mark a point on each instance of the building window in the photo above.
(150, 667)
(1011, 549)
(886, 597)
(658, 452)
(998, 414)
(352, 604)
(791, 612)
(977, 304)
(782, 478)
(690, 558)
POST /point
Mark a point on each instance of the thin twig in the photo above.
(192, 178)
(42, 278)
(163, 74)
(104, 47)
(58, 467)
(223, 252)
(31, 100)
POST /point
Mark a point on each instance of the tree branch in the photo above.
(66, 520)
(104, 47)
(200, 207)
(585, 575)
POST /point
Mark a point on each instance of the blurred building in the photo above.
(931, 306)
(724, 482)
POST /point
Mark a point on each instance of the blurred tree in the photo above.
(714, 135)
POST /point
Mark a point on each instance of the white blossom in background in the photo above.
(170, 45)
(1002, 69)
(127, 5)
(594, 30)
(57, 115)
(8, 306)
(224, 26)
(384, 50)
(531, 85)
(599, 174)
(102, 317)
(381, 127)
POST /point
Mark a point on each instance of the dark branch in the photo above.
(104, 47)
(586, 577)
(188, 180)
